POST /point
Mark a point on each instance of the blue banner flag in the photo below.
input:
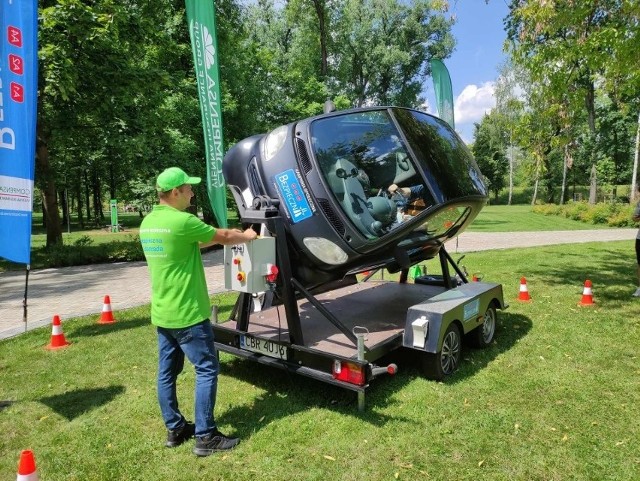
(444, 92)
(18, 100)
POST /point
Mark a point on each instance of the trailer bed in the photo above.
(379, 306)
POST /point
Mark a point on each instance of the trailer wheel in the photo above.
(483, 335)
(445, 362)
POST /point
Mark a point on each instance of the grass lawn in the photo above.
(519, 218)
(556, 397)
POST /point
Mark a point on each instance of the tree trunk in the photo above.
(510, 168)
(86, 196)
(97, 197)
(535, 187)
(322, 32)
(112, 182)
(591, 118)
(593, 184)
(78, 189)
(634, 176)
(49, 197)
(564, 174)
(64, 206)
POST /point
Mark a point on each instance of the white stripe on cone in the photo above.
(28, 477)
(56, 330)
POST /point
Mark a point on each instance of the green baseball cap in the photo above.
(174, 177)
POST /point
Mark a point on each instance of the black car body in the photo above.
(329, 175)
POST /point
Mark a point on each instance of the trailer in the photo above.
(319, 192)
(338, 336)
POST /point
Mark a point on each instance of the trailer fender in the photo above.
(427, 321)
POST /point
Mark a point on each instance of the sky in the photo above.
(474, 64)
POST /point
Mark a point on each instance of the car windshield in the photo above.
(361, 156)
(449, 167)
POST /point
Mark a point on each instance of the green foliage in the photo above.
(581, 97)
(84, 251)
(489, 150)
(613, 214)
(520, 218)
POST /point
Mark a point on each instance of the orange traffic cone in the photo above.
(587, 295)
(57, 337)
(107, 315)
(524, 296)
(27, 467)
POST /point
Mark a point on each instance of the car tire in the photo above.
(483, 335)
(445, 362)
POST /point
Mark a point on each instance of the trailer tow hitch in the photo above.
(391, 369)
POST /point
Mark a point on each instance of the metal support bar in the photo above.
(455, 266)
(242, 311)
(444, 265)
(325, 312)
(288, 294)
(361, 348)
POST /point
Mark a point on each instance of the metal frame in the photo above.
(309, 362)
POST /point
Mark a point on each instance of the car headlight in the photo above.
(274, 142)
(325, 250)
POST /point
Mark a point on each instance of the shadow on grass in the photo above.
(289, 393)
(93, 330)
(510, 328)
(75, 403)
(613, 277)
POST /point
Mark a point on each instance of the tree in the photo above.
(510, 105)
(384, 48)
(95, 96)
(567, 46)
(489, 149)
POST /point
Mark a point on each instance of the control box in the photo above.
(246, 266)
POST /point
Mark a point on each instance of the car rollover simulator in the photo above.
(318, 190)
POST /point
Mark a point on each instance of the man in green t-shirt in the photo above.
(171, 240)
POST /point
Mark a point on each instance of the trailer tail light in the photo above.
(348, 372)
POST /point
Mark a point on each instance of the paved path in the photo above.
(79, 291)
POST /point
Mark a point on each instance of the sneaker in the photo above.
(175, 437)
(637, 293)
(216, 441)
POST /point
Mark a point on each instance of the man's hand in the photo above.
(404, 191)
(232, 236)
(250, 234)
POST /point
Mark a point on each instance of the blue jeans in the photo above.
(196, 342)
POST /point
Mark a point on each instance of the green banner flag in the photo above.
(444, 93)
(202, 29)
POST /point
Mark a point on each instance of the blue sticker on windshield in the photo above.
(292, 194)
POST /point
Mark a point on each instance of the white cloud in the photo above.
(473, 102)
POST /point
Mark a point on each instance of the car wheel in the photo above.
(446, 361)
(483, 335)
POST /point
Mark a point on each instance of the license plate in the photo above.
(262, 346)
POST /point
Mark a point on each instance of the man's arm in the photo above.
(230, 236)
(405, 191)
